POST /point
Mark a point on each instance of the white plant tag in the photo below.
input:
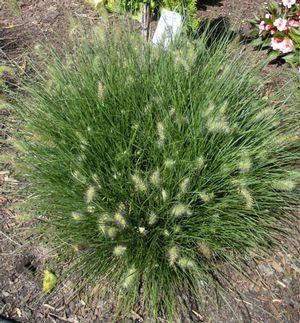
(169, 25)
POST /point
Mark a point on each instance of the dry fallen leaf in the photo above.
(277, 266)
(18, 311)
(199, 316)
(3, 176)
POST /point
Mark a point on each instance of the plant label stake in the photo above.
(169, 25)
(145, 21)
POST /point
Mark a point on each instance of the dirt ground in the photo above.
(272, 294)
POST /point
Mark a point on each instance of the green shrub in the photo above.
(150, 168)
(187, 8)
(278, 29)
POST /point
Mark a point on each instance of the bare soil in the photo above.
(271, 295)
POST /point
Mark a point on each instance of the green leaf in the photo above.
(266, 43)
(293, 58)
(257, 42)
(273, 6)
(273, 55)
(253, 21)
(295, 38)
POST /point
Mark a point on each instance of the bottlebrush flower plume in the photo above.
(180, 209)
(173, 255)
(139, 184)
(90, 194)
(119, 250)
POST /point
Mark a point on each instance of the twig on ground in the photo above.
(62, 318)
(7, 237)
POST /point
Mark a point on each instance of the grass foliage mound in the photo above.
(150, 168)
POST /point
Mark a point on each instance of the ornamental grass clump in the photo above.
(151, 168)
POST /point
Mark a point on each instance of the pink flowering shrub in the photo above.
(278, 29)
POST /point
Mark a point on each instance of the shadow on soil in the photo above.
(217, 29)
(203, 4)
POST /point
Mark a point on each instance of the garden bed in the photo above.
(271, 296)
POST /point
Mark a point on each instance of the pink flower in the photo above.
(288, 3)
(276, 43)
(261, 27)
(285, 46)
(268, 16)
(281, 24)
(273, 32)
(293, 23)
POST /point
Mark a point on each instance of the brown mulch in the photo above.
(273, 294)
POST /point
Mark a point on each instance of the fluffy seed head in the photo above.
(77, 216)
(119, 250)
(142, 230)
(91, 208)
(245, 164)
(120, 220)
(184, 185)
(139, 184)
(286, 139)
(218, 125)
(247, 196)
(199, 163)
(90, 194)
(111, 232)
(207, 112)
(155, 178)
(206, 197)
(180, 209)
(223, 108)
(152, 218)
(100, 90)
(129, 277)
(284, 185)
(169, 163)
(172, 111)
(180, 61)
(76, 247)
(160, 131)
(164, 195)
(173, 255)
(186, 263)
(265, 113)
(204, 249)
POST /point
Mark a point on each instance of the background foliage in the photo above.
(188, 8)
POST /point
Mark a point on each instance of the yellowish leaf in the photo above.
(49, 281)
